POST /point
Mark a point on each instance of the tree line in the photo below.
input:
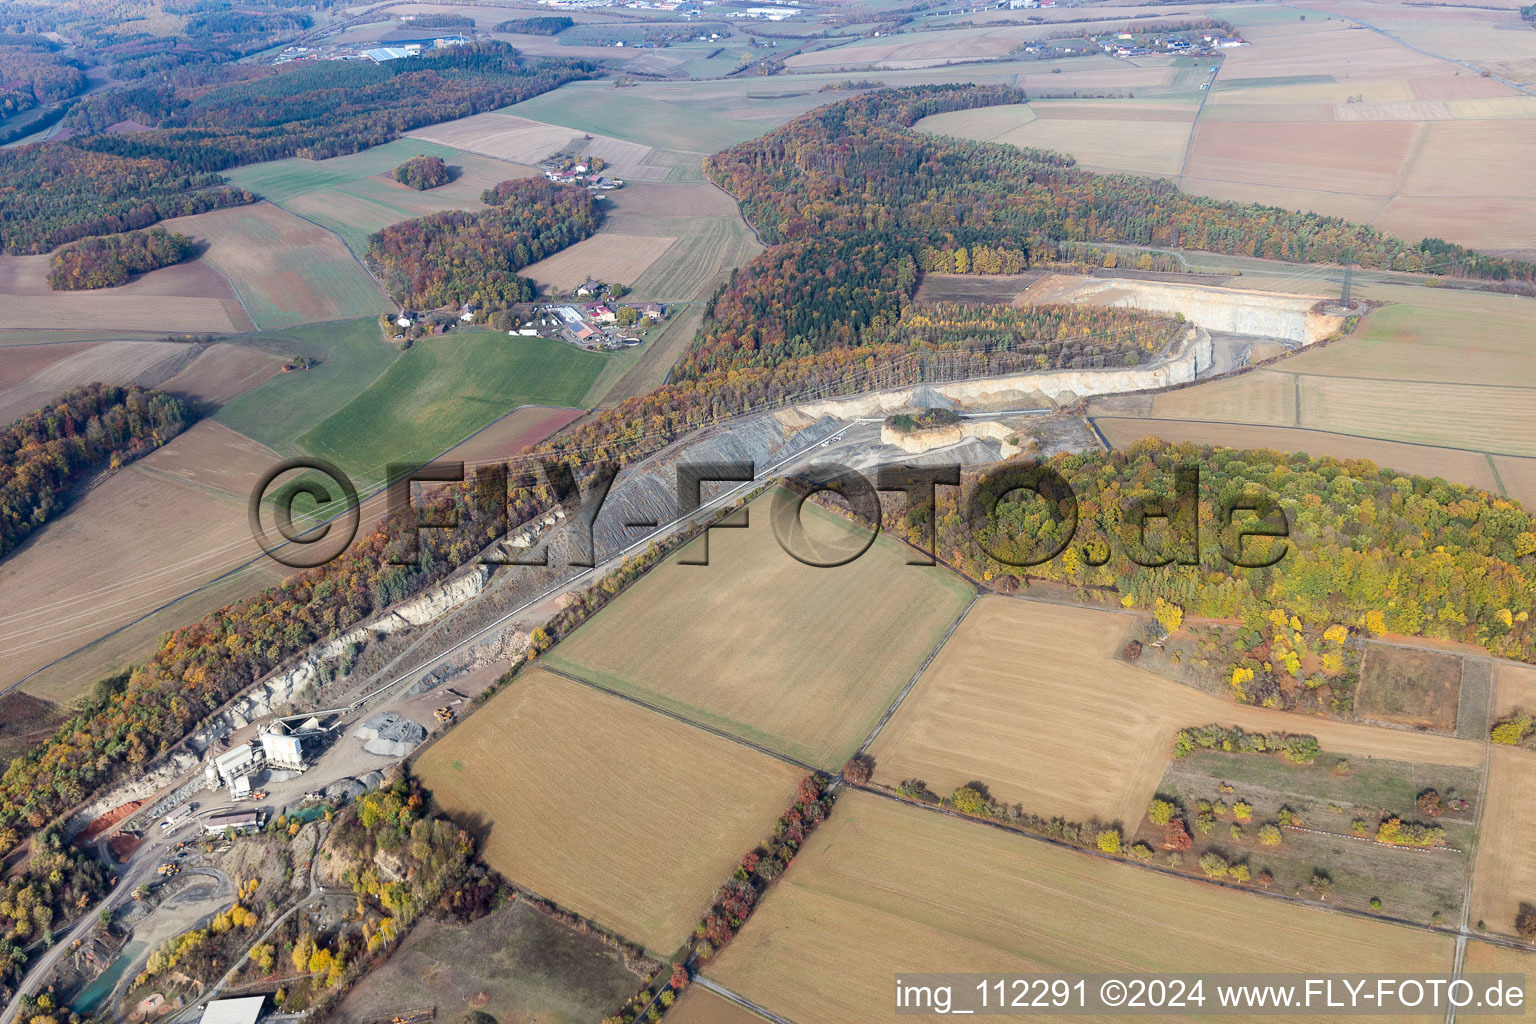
(853, 202)
(457, 257)
(106, 261)
(215, 118)
(43, 454)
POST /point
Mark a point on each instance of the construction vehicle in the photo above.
(443, 714)
(260, 794)
(167, 870)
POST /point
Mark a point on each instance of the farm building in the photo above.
(590, 288)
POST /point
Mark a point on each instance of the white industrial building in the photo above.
(275, 749)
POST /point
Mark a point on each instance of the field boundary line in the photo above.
(1452, 933)
(647, 705)
(739, 1000)
(895, 705)
(1313, 430)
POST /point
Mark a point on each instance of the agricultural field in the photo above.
(1329, 796)
(1025, 675)
(1312, 114)
(885, 887)
(171, 522)
(1410, 687)
(33, 375)
(441, 390)
(1472, 468)
(622, 815)
(1434, 382)
(698, 1005)
(355, 196)
(1105, 135)
(222, 373)
(607, 256)
(185, 297)
(1515, 690)
(350, 356)
(286, 270)
(1504, 876)
(515, 965)
(751, 646)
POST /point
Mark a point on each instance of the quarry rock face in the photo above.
(278, 689)
(1191, 355)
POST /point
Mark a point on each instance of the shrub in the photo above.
(1512, 730)
(1242, 811)
(1270, 835)
(858, 770)
(1160, 812)
(1108, 840)
(967, 800)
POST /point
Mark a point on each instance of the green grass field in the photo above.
(652, 121)
(281, 180)
(346, 195)
(443, 389)
(352, 355)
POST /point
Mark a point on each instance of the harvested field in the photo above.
(1101, 136)
(1362, 208)
(1516, 690)
(509, 435)
(1470, 468)
(1410, 687)
(1504, 875)
(605, 256)
(61, 367)
(503, 136)
(763, 647)
(1022, 675)
(1436, 414)
(516, 965)
(883, 888)
(698, 1005)
(147, 534)
(285, 269)
(186, 297)
(221, 373)
(1517, 477)
(1486, 958)
(1360, 157)
(576, 795)
(25, 721)
(974, 288)
(1495, 225)
(355, 196)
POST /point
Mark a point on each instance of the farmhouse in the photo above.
(590, 288)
